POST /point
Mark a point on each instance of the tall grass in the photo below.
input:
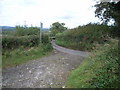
(22, 55)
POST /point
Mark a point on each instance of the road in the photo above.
(48, 72)
(69, 51)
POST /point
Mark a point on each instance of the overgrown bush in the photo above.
(11, 42)
(23, 31)
(23, 36)
(100, 70)
(45, 39)
(84, 37)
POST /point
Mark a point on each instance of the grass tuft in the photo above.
(22, 55)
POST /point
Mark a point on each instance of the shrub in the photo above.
(11, 42)
(84, 37)
(45, 39)
(101, 70)
(23, 31)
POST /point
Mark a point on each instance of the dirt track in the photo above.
(48, 72)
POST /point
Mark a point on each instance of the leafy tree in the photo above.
(57, 28)
(107, 11)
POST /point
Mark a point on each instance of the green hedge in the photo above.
(84, 37)
(11, 42)
(23, 31)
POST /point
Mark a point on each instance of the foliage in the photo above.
(22, 31)
(107, 11)
(22, 55)
(84, 37)
(11, 42)
(23, 45)
(9, 33)
(100, 70)
(23, 36)
(45, 39)
(57, 28)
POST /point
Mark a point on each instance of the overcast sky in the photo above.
(71, 12)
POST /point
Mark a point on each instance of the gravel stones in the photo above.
(48, 72)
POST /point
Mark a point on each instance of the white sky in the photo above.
(71, 12)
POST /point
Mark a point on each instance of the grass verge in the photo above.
(22, 55)
(101, 70)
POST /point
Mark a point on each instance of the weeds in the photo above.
(22, 55)
(101, 70)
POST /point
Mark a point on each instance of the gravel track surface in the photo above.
(47, 72)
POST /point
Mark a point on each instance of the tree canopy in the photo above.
(107, 11)
(57, 28)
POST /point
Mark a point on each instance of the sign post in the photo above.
(41, 27)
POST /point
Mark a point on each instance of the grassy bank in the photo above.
(101, 70)
(84, 38)
(22, 55)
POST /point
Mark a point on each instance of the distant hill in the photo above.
(8, 28)
(46, 29)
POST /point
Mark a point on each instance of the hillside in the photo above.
(84, 38)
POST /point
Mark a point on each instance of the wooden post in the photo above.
(41, 26)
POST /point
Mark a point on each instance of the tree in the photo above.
(57, 28)
(107, 11)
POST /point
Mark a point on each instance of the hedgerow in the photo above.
(84, 37)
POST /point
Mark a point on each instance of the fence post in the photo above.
(41, 27)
